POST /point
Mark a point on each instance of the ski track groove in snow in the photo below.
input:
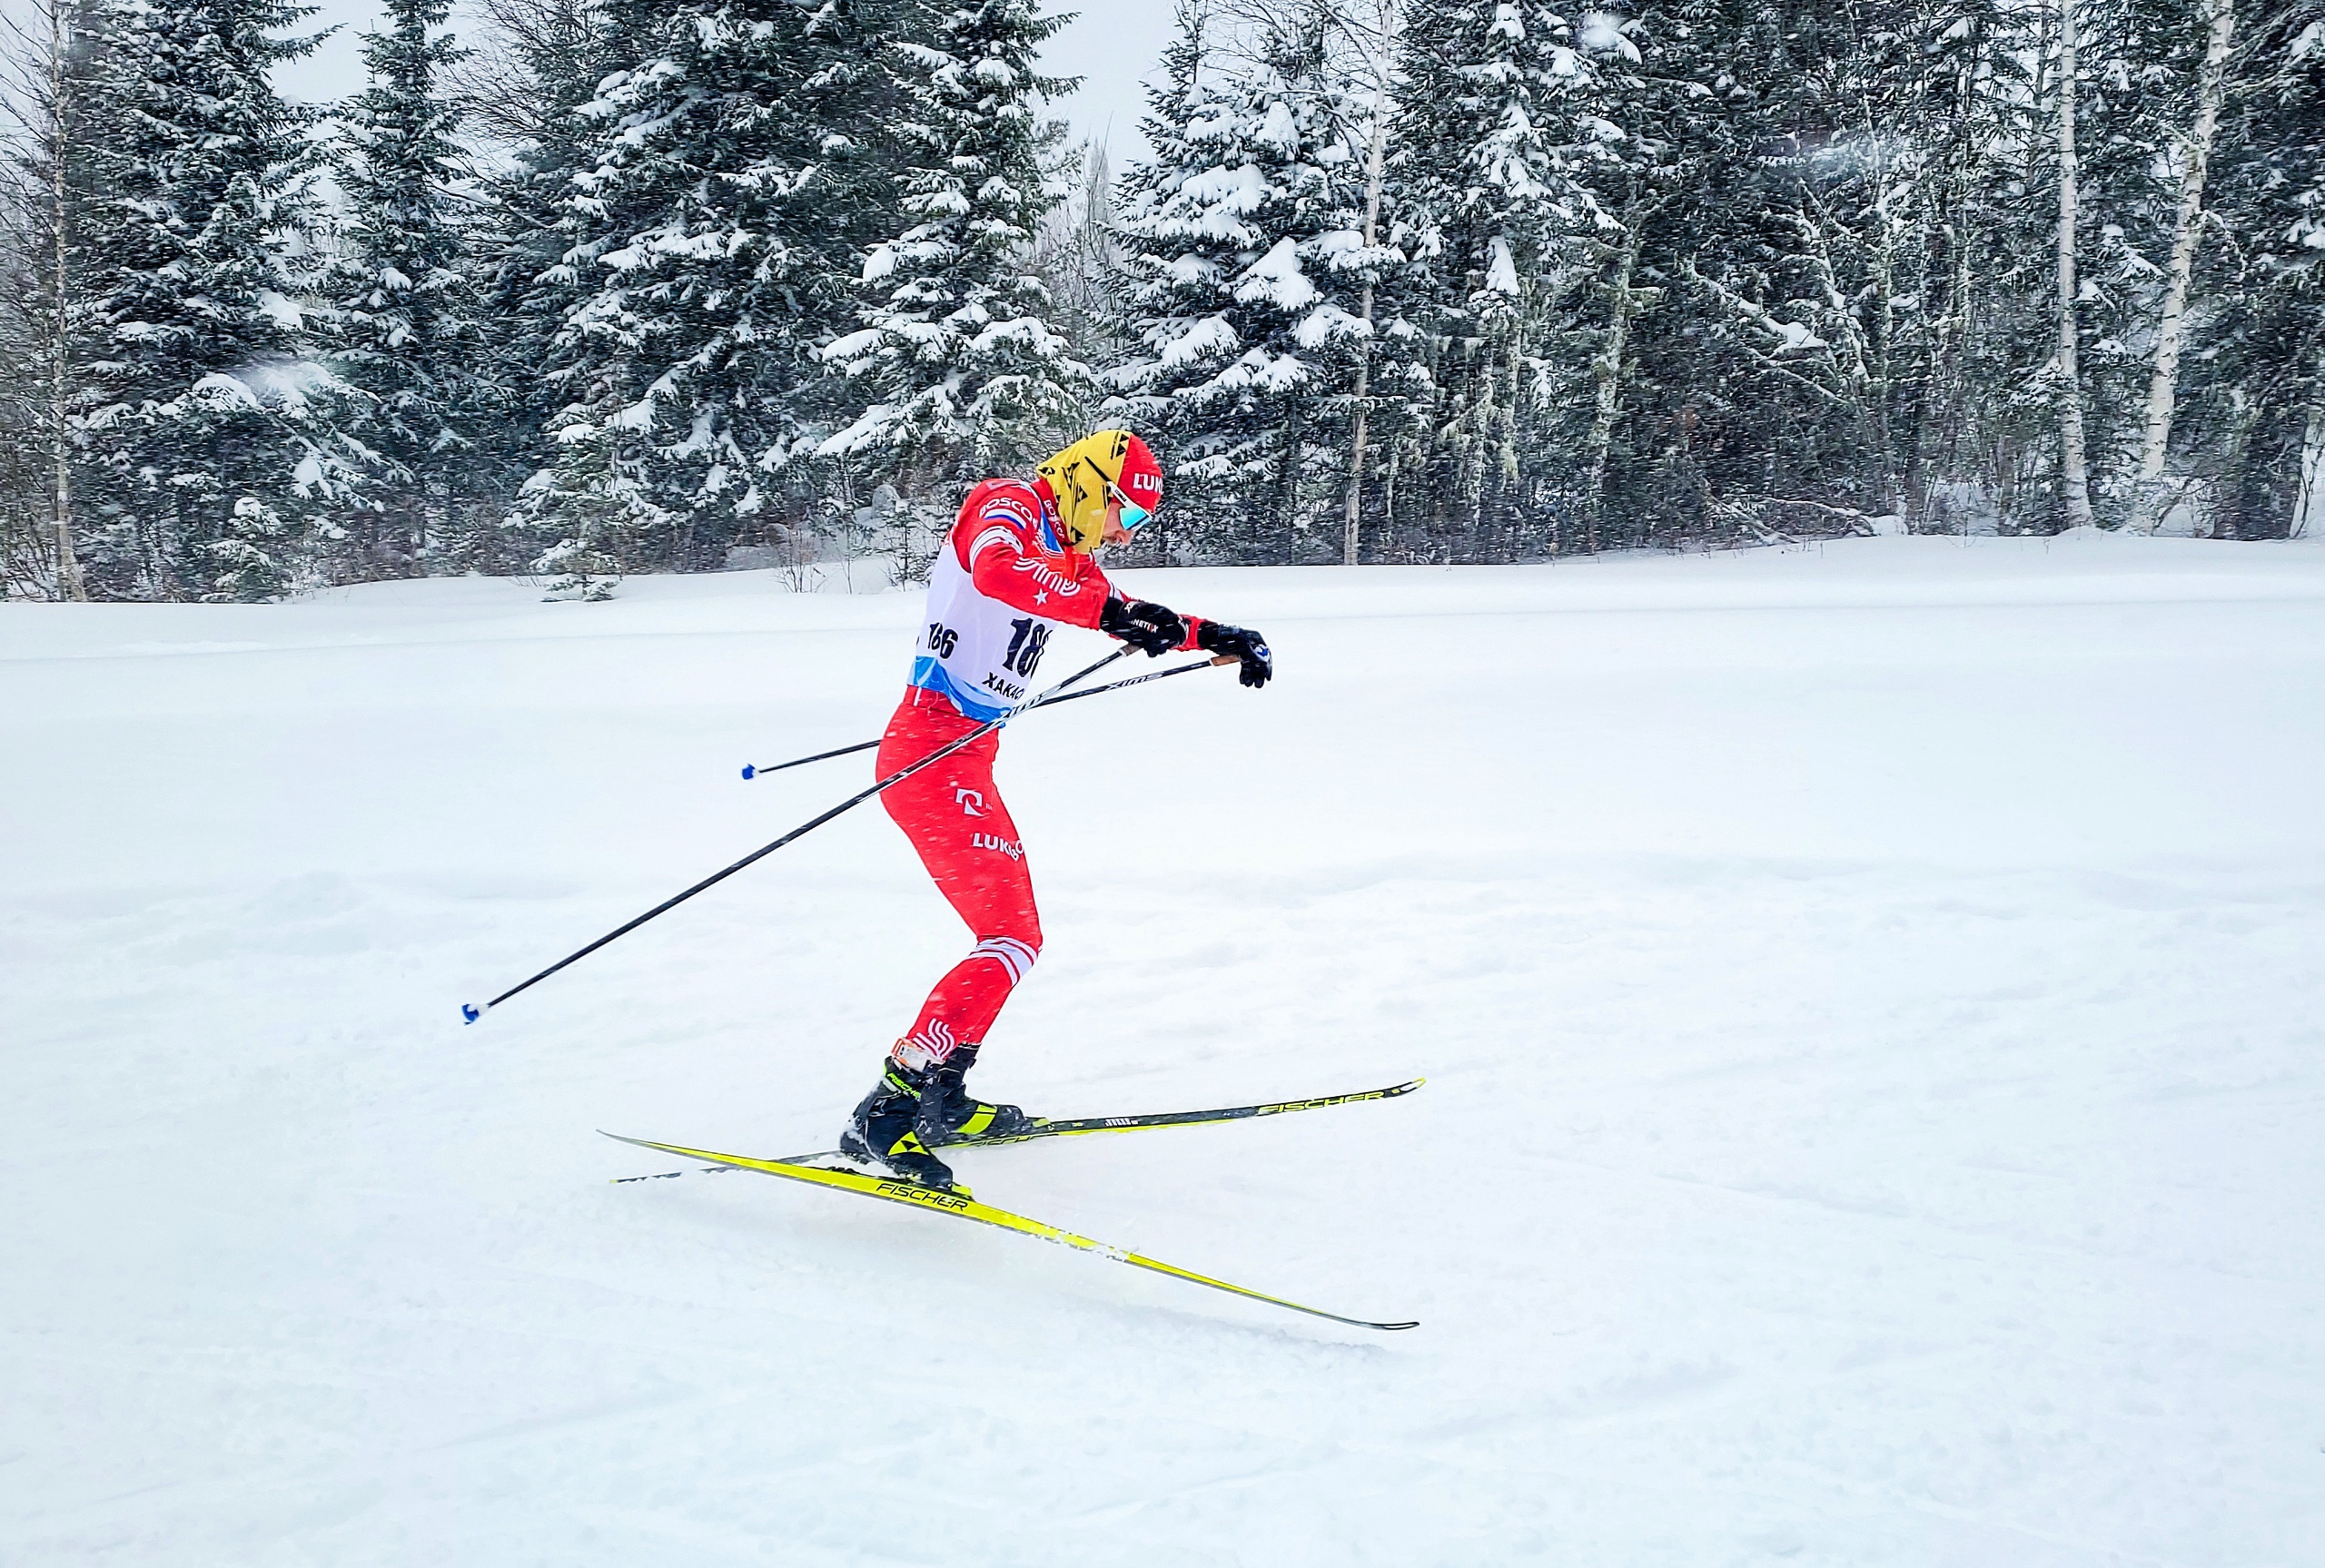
(1869, 996)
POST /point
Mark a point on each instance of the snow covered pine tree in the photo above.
(1498, 118)
(1246, 331)
(963, 373)
(706, 238)
(525, 91)
(207, 452)
(410, 333)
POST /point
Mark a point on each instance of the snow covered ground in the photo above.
(1871, 998)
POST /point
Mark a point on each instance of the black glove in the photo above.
(1144, 625)
(1213, 637)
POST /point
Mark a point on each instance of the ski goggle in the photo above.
(1133, 513)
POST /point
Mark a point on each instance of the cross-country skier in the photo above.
(1017, 564)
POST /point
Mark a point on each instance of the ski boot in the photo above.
(950, 1114)
(913, 1111)
(882, 1131)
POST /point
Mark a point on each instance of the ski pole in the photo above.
(752, 772)
(1135, 681)
(470, 1012)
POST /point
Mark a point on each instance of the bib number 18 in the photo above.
(1026, 647)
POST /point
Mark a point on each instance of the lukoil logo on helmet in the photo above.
(1087, 480)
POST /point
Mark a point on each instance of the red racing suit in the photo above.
(1000, 585)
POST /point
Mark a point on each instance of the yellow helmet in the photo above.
(1081, 477)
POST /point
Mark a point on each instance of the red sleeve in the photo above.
(1024, 581)
(995, 515)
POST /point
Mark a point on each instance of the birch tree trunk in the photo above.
(68, 564)
(2147, 503)
(2074, 472)
(2309, 502)
(1938, 449)
(1364, 347)
(1607, 370)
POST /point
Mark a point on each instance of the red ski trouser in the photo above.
(957, 823)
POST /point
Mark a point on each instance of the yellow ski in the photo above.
(961, 1206)
(1081, 1126)
(1048, 1127)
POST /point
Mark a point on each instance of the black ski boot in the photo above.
(914, 1111)
(950, 1114)
(882, 1130)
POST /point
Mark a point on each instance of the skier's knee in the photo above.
(1015, 954)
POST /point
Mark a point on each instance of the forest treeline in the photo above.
(628, 285)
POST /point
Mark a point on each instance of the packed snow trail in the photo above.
(1870, 998)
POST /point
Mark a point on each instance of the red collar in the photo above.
(1051, 519)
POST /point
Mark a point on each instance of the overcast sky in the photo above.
(1112, 43)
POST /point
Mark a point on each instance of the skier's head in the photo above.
(1104, 486)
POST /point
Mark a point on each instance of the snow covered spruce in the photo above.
(1485, 281)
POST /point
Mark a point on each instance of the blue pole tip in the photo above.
(469, 1013)
(749, 771)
